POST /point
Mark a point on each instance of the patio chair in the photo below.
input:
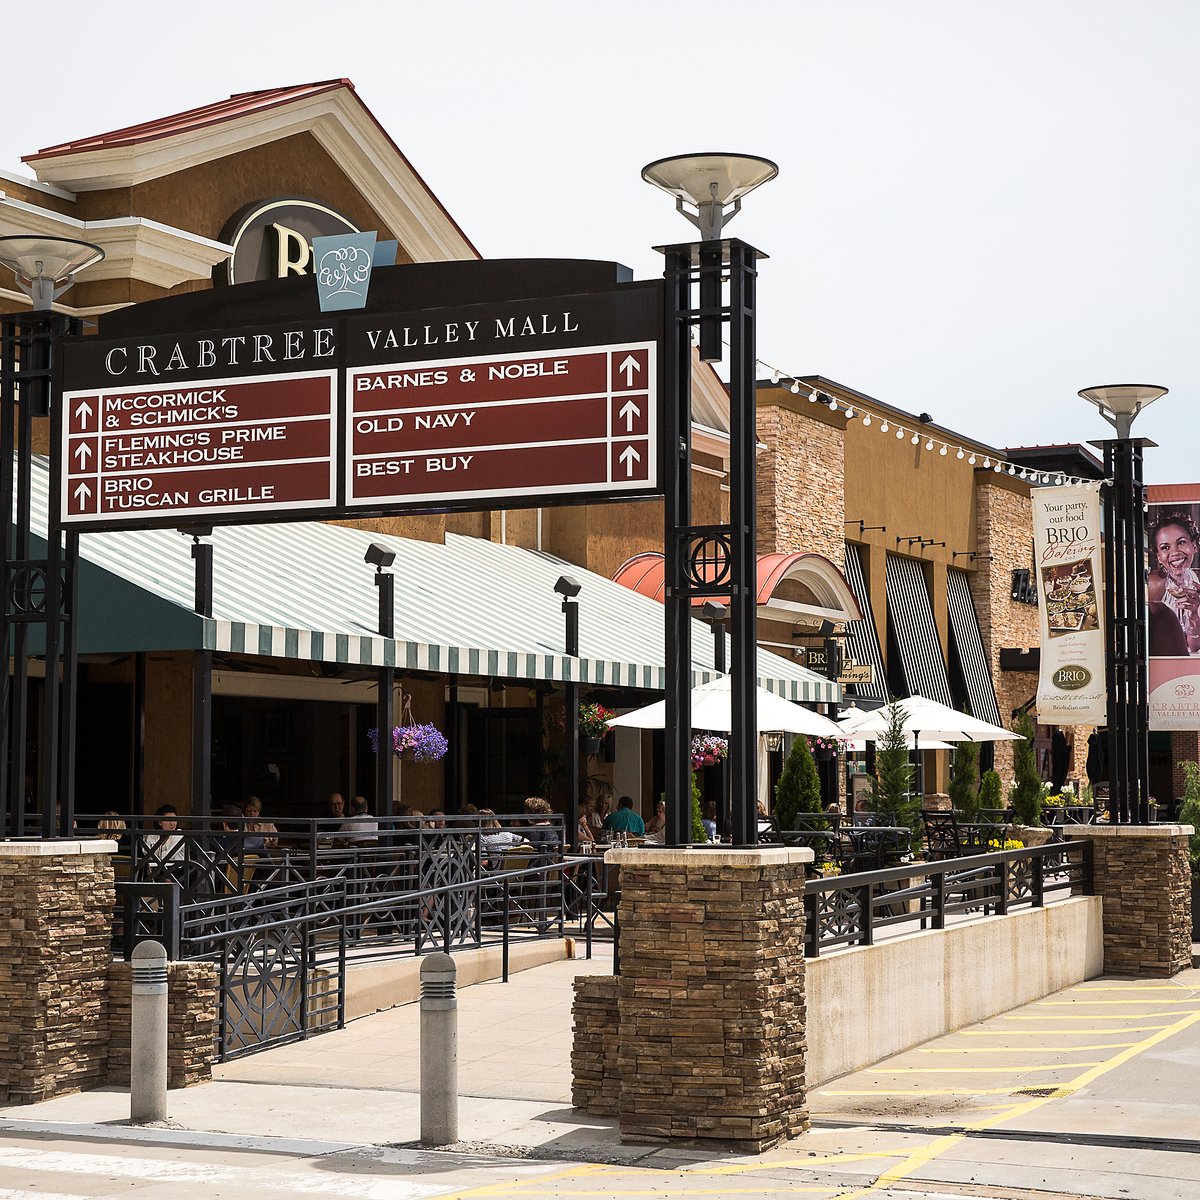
(942, 838)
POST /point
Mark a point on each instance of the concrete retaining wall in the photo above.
(869, 1002)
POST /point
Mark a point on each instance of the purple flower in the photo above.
(421, 743)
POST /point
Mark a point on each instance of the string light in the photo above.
(1029, 475)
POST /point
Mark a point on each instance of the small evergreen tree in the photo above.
(892, 787)
(1189, 812)
(964, 780)
(799, 787)
(698, 832)
(991, 789)
(1027, 792)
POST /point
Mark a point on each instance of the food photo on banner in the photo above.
(1173, 605)
(1067, 554)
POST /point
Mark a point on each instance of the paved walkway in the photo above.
(1088, 1093)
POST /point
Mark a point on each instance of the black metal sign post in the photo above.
(711, 560)
(1125, 629)
(202, 661)
(35, 591)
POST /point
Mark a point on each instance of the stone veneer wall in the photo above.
(595, 1074)
(710, 999)
(56, 902)
(1143, 875)
(801, 476)
(191, 1022)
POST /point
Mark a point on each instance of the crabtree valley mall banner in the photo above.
(1067, 557)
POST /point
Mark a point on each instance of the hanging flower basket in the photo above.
(589, 746)
(708, 750)
(824, 748)
(593, 722)
(415, 743)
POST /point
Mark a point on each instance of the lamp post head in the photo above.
(46, 266)
(379, 556)
(711, 183)
(712, 610)
(567, 587)
(1120, 403)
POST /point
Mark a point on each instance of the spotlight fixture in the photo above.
(379, 556)
(567, 587)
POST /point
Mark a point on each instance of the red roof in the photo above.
(194, 118)
(643, 573)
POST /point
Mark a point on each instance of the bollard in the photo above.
(439, 1051)
(148, 1034)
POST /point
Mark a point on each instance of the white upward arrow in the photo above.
(83, 412)
(82, 493)
(629, 410)
(629, 456)
(629, 365)
(82, 452)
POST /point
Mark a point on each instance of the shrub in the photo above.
(698, 832)
(799, 787)
(964, 780)
(1026, 795)
(991, 789)
(892, 788)
(1189, 811)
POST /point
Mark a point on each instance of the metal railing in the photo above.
(849, 910)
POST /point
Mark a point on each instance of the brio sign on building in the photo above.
(545, 402)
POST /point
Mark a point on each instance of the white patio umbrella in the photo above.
(930, 719)
(711, 710)
(859, 744)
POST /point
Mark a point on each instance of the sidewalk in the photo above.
(361, 1084)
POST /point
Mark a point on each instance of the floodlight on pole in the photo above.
(46, 266)
(713, 184)
(1120, 403)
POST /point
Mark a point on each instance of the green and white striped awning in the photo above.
(466, 607)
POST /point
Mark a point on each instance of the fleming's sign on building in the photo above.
(273, 238)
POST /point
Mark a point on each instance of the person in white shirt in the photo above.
(360, 826)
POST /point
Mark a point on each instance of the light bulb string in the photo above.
(921, 437)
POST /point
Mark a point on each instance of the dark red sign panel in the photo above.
(506, 425)
(187, 449)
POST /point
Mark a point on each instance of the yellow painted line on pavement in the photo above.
(511, 1188)
(1135, 987)
(979, 1070)
(1080, 1003)
(935, 1149)
(1027, 1049)
(1058, 1032)
(1092, 1017)
(1004, 1091)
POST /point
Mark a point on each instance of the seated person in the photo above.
(540, 831)
(112, 827)
(766, 826)
(709, 820)
(585, 837)
(657, 825)
(166, 845)
(361, 826)
(260, 835)
(494, 840)
(625, 820)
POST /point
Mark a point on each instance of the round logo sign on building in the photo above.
(273, 238)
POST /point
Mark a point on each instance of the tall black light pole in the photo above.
(710, 287)
(202, 553)
(36, 590)
(569, 589)
(380, 556)
(1125, 566)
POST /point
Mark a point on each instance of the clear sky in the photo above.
(982, 207)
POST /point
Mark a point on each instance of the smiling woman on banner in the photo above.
(1173, 585)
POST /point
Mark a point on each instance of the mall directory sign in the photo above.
(521, 403)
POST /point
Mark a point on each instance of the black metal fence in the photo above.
(849, 910)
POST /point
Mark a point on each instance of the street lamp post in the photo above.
(1125, 601)
(36, 590)
(569, 589)
(710, 285)
(379, 556)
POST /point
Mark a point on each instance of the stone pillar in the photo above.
(56, 901)
(711, 995)
(595, 1071)
(1143, 874)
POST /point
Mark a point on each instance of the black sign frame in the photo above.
(169, 351)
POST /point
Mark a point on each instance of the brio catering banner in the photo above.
(1067, 555)
(1173, 606)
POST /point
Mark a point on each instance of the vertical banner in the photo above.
(1173, 606)
(1067, 555)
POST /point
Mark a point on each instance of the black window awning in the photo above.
(968, 641)
(912, 628)
(862, 641)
